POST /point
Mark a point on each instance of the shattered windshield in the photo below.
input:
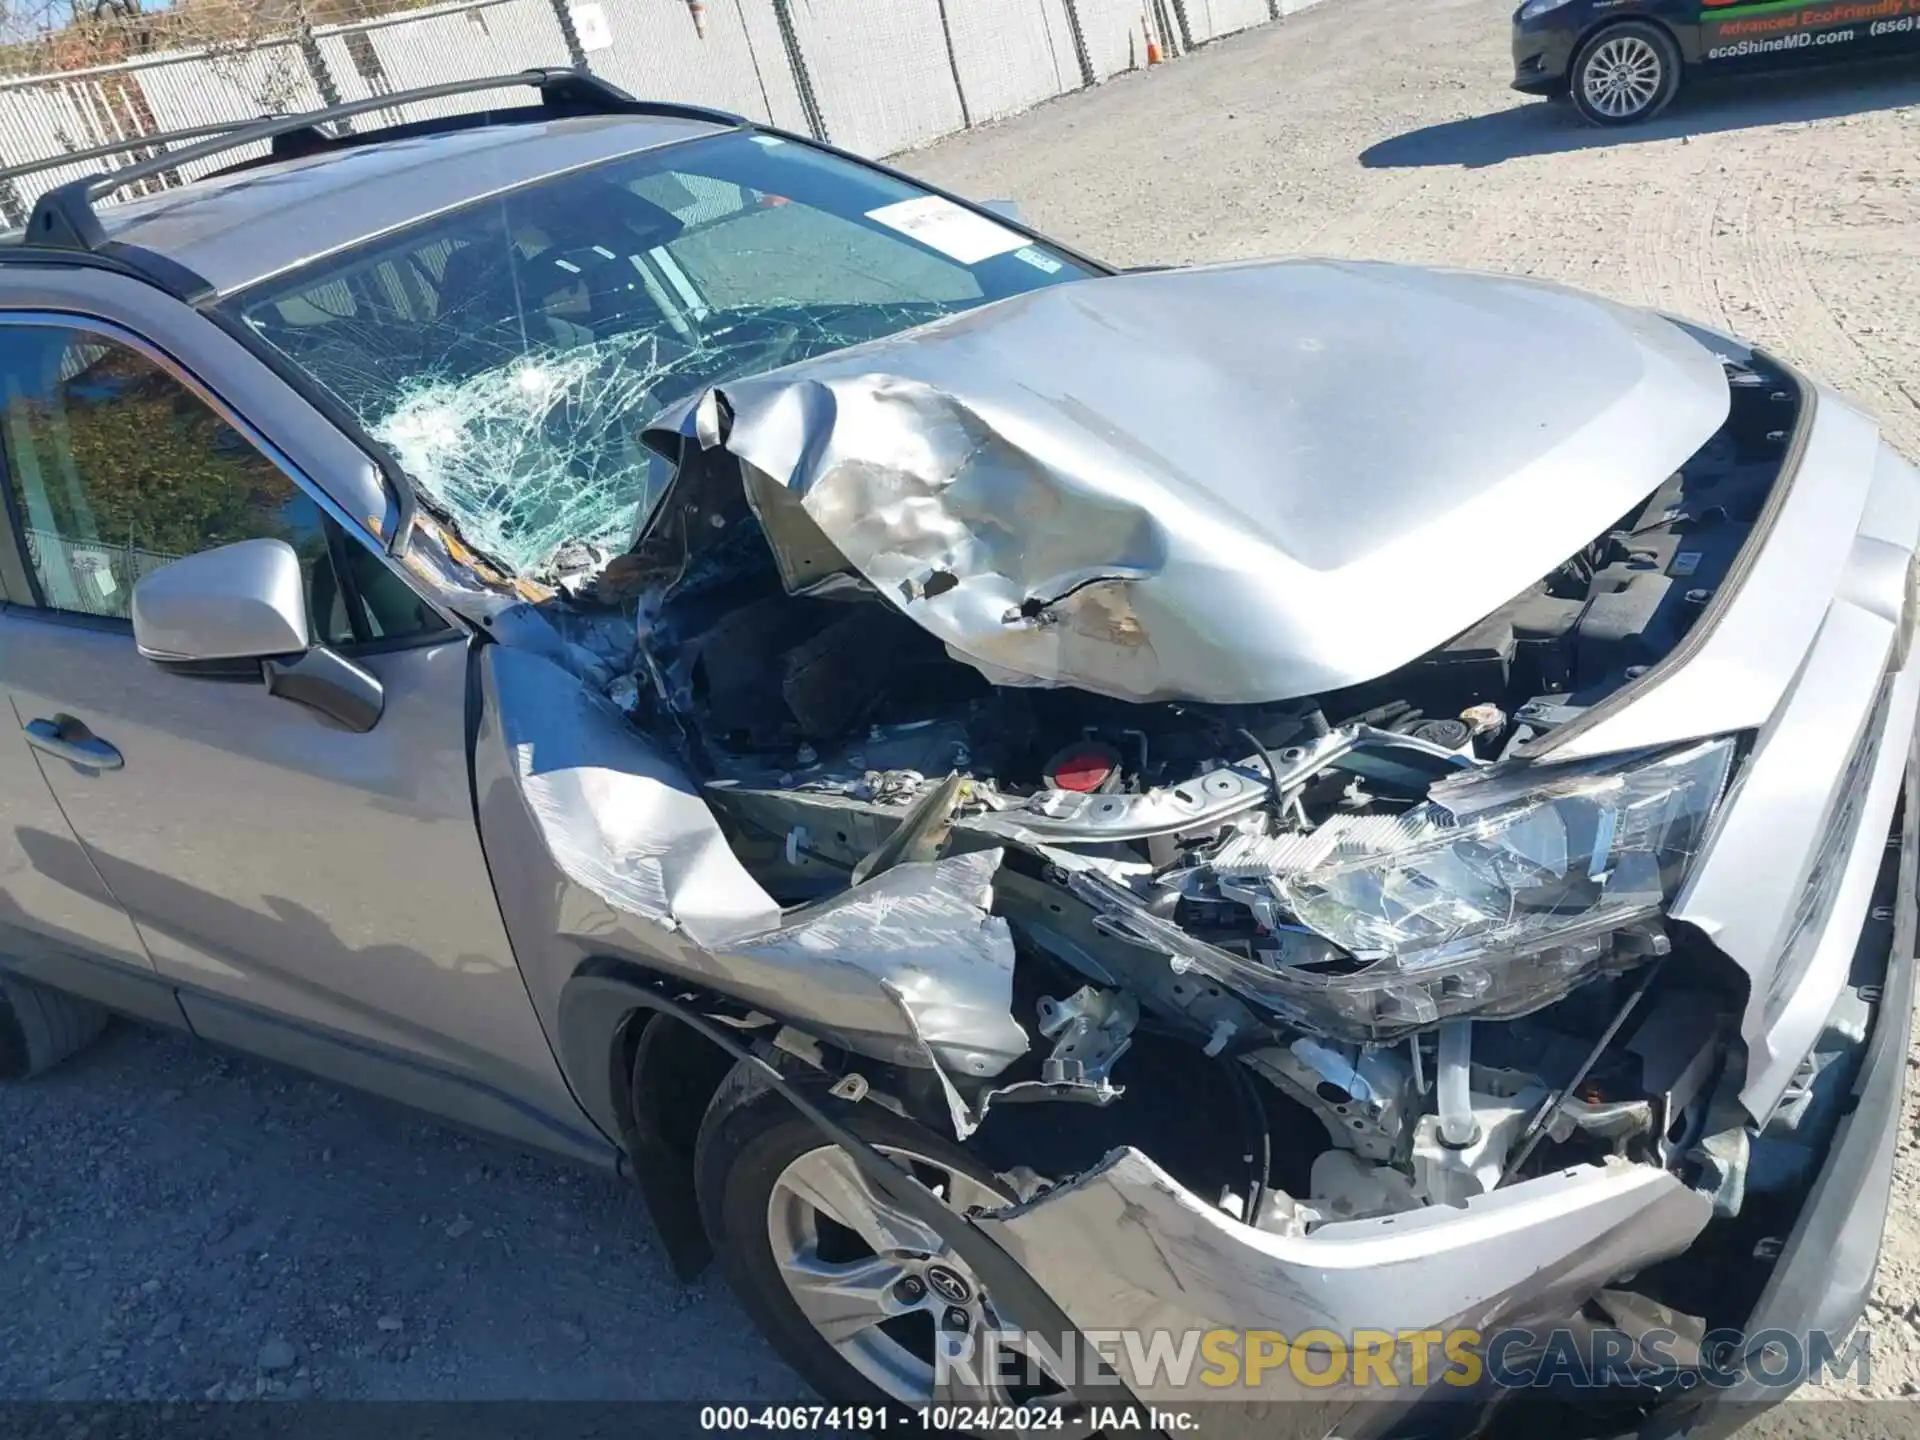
(509, 354)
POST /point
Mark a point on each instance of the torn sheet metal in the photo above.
(1233, 484)
(600, 846)
(925, 930)
(462, 581)
(1125, 1248)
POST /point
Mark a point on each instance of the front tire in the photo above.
(1625, 74)
(855, 1295)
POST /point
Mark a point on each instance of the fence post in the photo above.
(11, 210)
(1080, 51)
(953, 64)
(1173, 27)
(576, 54)
(797, 62)
(317, 67)
(1180, 21)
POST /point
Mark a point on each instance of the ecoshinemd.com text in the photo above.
(1809, 26)
(1800, 41)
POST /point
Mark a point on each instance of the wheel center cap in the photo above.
(948, 1285)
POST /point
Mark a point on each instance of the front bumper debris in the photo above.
(1824, 1275)
(1125, 1248)
(1129, 1255)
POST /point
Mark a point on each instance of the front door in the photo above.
(58, 920)
(314, 893)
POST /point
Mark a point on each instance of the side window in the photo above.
(114, 468)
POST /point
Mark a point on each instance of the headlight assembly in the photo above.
(1495, 897)
(1503, 891)
(1540, 7)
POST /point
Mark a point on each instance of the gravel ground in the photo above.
(174, 1222)
(177, 1222)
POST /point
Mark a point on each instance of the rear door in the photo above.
(313, 893)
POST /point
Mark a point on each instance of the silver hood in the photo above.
(1233, 484)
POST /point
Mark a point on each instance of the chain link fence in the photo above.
(874, 76)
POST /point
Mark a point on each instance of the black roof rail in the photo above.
(122, 147)
(63, 218)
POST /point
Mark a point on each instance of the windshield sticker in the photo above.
(1039, 259)
(766, 140)
(953, 230)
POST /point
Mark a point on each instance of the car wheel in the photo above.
(39, 1027)
(1625, 74)
(855, 1294)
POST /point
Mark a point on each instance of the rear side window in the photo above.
(114, 467)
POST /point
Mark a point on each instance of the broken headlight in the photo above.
(1500, 893)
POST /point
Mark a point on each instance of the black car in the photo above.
(1621, 61)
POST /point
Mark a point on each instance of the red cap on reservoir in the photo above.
(1086, 767)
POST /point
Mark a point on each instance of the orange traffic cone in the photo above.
(1153, 45)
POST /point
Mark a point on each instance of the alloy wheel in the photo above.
(1623, 76)
(885, 1291)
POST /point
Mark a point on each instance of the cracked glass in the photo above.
(509, 355)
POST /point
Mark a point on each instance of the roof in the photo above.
(238, 228)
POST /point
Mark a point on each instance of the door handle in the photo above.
(85, 749)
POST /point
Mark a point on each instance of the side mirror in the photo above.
(1005, 209)
(239, 602)
(241, 610)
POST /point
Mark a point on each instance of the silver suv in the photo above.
(1290, 803)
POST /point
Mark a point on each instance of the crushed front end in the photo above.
(1490, 939)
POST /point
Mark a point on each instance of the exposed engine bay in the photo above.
(1243, 897)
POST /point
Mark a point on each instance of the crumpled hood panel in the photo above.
(1232, 484)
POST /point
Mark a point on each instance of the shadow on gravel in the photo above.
(182, 1223)
(1704, 108)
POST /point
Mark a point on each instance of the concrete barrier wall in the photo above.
(873, 76)
(740, 64)
(882, 70)
(1011, 54)
(1211, 19)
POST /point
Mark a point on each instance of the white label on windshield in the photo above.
(955, 232)
(1039, 259)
